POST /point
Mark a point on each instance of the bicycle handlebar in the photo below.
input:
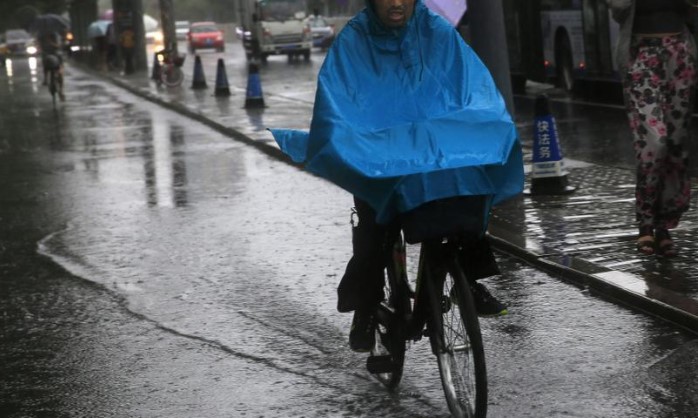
(170, 56)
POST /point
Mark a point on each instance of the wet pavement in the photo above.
(182, 274)
(586, 237)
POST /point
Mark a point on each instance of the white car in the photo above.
(19, 42)
(181, 29)
(322, 31)
(154, 37)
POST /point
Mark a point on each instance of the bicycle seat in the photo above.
(179, 60)
(463, 216)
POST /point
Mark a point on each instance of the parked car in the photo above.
(4, 50)
(153, 31)
(181, 29)
(19, 42)
(205, 35)
(154, 37)
(246, 37)
(323, 32)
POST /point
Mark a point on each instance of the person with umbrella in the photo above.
(99, 33)
(50, 29)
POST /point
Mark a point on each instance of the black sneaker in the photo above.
(485, 303)
(362, 336)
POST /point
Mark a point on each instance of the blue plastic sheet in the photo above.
(406, 117)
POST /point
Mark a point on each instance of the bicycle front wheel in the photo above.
(457, 343)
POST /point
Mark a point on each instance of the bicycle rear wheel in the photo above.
(457, 342)
(387, 358)
(173, 76)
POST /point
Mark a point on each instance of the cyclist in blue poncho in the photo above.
(405, 113)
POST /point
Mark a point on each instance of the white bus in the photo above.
(566, 41)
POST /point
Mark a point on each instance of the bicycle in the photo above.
(55, 79)
(169, 71)
(440, 306)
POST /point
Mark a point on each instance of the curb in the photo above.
(604, 287)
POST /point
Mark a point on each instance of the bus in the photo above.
(570, 42)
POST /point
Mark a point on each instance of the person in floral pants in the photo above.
(659, 73)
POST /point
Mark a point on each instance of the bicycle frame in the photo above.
(417, 312)
(52, 65)
(53, 81)
(409, 315)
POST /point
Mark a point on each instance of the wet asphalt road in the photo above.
(151, 267)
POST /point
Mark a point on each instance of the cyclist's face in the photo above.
(394, 13)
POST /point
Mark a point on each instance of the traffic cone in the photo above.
(254, 97)
(549, 176)
(222, 88)
(199, 79)
(155, 74)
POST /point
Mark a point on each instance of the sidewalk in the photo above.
(586, 237)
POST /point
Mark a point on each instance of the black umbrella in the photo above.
(49, 23)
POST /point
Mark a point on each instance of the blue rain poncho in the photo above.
(404, 117)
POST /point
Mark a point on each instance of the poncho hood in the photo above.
(404, 117)
(377, 28)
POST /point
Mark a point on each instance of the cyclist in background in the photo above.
(52, 58)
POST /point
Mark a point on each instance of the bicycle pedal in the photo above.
(380, 364)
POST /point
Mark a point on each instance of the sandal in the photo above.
(665, 245)
(645, 244)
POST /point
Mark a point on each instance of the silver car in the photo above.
(181, 29)
(19, 42)
(322, 31)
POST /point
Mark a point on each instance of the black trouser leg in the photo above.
(361, 286)
(478, 260)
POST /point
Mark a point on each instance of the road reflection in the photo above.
(164, 167)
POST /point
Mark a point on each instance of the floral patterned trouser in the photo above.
(657, 89)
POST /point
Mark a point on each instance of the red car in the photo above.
(205, 35)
